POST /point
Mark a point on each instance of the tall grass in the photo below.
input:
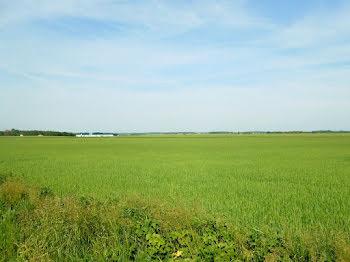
(36, 225)
(297, 181)
(289, 185)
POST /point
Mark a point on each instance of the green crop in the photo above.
(278, 183)
(36, 225)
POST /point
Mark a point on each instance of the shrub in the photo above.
(36, 225)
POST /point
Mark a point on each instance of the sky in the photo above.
(143, 66)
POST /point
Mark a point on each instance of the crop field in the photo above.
(288, 182)
(301, 181)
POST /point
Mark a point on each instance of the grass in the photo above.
(292, 185)
(36, 225)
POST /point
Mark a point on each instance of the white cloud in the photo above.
(151, 14)
(316, 29)
(146, 73)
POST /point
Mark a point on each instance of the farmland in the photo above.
(282, 183)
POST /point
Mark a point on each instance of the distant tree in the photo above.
(15, 132)
(7, 133)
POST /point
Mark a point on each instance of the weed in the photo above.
(72, 228)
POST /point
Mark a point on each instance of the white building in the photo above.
(93, 135)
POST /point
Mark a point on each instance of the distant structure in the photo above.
(94, 135)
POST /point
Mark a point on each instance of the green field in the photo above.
(296, 182)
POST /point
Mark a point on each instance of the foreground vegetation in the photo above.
(292, 188)
(36, 225)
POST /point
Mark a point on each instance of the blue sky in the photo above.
(137, 66)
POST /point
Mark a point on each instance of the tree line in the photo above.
(15, 132)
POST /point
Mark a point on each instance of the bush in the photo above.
(36, 225)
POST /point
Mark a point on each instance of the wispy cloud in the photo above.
(323, 28)
(175, 51)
